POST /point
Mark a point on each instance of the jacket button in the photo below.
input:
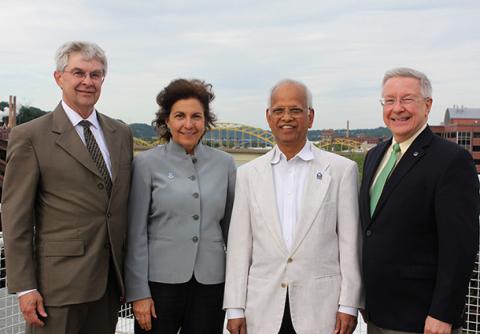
(109, 215)
(195, 195)
(192, 177)
(100, 186)
(107, 245)
(283, 285)
(368, 233)
(290, 260)
(195, 217)
(195, 239)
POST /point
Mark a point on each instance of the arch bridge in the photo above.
(339, 144)
(233, 135)
(236, 136)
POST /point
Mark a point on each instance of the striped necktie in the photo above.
(96, 155)
(383, 177)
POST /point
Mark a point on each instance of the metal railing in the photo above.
(11, 321)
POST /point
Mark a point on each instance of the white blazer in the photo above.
(322, 270)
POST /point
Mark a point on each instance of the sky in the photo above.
(339, 49)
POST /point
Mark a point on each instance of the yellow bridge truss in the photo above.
(239, 136)
(327, 143)
(226, 134)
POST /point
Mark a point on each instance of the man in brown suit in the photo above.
(64, 205)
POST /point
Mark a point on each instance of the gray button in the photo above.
(368, 233)
(195, 239)
(195, 195)
(194, 160)
(109, 215)
(195, 217)
(100, 186)
(192, 177)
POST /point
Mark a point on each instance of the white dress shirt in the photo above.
(289, 177)
(97, 131)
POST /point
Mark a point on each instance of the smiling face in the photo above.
(404, 120)
(80, 93)
(187, 123)
(289, 118)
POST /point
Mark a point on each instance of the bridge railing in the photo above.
(11, 321)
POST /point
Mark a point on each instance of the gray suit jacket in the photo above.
(179, 213)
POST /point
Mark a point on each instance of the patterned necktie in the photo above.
(382, 178)
(96, 155)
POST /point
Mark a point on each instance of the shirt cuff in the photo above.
(348, 310)
(235, 313)
(21, 293)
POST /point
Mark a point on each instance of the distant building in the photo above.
(462, 126)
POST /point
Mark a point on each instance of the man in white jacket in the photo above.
(293, 258)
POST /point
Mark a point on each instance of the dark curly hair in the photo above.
(180, 89)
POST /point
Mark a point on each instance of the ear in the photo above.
(429, 103)
(268, 116)
(58, 78)
(311, 117)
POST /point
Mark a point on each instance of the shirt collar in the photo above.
(406, 144)
(75, 118)
(178, 149)
(305, 154)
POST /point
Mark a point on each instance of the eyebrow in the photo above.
(81, 69)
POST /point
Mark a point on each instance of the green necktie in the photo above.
(382, 178)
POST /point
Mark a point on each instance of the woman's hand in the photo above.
(144, 310)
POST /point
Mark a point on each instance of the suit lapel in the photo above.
(370, 168)
(317, 183)
(113, 143)
(69, 140)
(414, 153)
(266, 200)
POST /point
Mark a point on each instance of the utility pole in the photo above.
(12, 111)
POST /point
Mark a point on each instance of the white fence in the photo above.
(11, 321)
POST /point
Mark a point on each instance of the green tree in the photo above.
(3, 105)
(26, 114)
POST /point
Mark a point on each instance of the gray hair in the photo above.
(405, 72)
(292, 82)
(87, 49)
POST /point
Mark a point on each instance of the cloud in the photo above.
(339, 49)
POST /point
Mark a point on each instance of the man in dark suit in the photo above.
(64, 205)
(419, 207)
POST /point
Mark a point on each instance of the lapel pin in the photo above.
(319, 175)
(171, 175)
(415, 154)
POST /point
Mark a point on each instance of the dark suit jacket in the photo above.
(61, 230)
(420, 245)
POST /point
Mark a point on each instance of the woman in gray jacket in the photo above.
(179, 211)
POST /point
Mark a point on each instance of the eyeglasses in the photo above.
(390, 101)
(294, 112)
(81, 75)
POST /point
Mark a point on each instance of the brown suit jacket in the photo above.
(60, 227)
